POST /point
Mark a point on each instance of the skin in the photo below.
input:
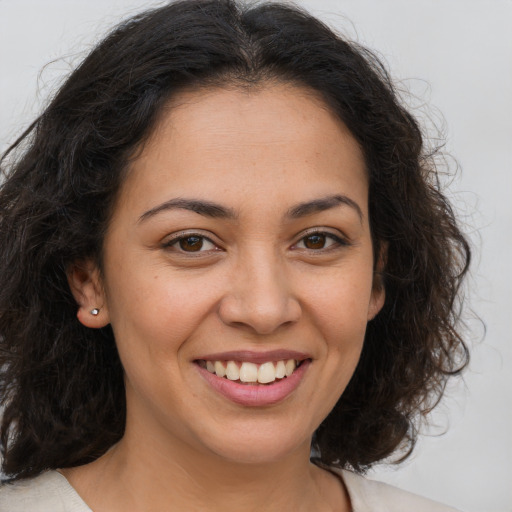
(258, 283)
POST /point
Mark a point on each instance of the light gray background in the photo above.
(455, 56)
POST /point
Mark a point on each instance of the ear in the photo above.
(378, 295)
(87, 289)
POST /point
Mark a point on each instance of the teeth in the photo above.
(290, 366)
(250, 372)
(266, 373)
(232, 371)
(219, 369)
(280, 370)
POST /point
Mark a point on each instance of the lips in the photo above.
(254, 379)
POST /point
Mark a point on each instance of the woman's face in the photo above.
(240, 243)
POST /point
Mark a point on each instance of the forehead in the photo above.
(270, 141)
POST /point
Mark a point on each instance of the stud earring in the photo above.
(95, 312)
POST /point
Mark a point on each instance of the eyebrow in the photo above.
(200, 206)
(322, 204)
(215, 210)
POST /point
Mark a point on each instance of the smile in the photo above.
(254, 379)
(251, 373)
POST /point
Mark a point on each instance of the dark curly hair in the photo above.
(61, 384)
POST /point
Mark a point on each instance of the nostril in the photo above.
(263, 314)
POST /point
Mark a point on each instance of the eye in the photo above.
(191, 243)
(318, 241)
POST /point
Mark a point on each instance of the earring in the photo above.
(95, 312)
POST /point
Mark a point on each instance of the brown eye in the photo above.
(316, 241)
(191, 243)
(319, 241)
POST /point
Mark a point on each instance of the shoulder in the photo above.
(48, 492)
(372, 496)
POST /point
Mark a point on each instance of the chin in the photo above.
(260, 445)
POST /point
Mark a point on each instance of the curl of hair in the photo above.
(61, 384)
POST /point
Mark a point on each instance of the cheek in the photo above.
(155, 312)
(339, 310)
(340, 304)
(340, 319)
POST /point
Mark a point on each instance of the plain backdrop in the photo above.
(454, 57)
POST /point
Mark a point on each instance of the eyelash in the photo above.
(337, 241)
(176, 241)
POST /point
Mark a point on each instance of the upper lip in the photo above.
(251, 356)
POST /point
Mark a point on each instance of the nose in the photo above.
(259, 296)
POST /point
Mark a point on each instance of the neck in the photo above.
(150, 476)
(198, 481)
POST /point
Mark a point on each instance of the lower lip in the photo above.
(256, 395)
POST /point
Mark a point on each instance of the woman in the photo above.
(224, 248)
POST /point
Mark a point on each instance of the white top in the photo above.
(51, 492)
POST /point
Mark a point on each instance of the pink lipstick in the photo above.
(254, 379)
